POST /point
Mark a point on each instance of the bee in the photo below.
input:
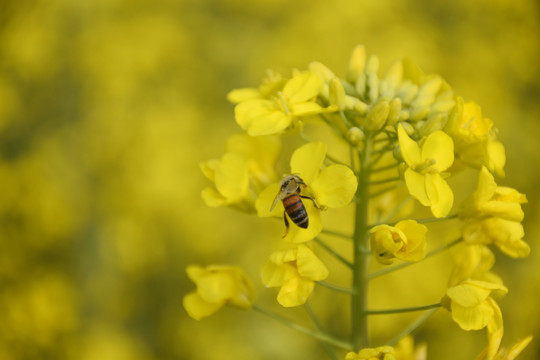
(289, 193)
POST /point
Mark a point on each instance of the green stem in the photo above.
(336, 287)
(383, 181)
(385, 190)
(404, 310)
(360, 331)
(333, 252)
(336, 233)
(406, 264)
(383, 168)
(331, 352)
(319, 335)
(412, 327)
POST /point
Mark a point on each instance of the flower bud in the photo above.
(355, 135)
(419, 113)
(378, 115)
(433, 123)
(337, 94)
(357, 63)
(361, 83)
(373, 86)
(372, 65)
(395, 109)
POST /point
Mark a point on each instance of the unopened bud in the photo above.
(372, 65)
(337, 94)
(360, 85)
(321, 70)
(433, 123)
(355, 135)
(395, 109)
(357, 63)
(378, 115)
(361, 107)
(373, 86)
(419, 113)
(409, 129)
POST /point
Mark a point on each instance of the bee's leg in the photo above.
(286, 224)
(313, 200)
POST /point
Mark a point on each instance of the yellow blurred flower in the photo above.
(271, 84)
(217, 285)
(490, 200)
(332, 187)
(507, 354)
(239, 176)
(474, 137)
(294, 271)
(425, 164)
(405, 241)
(267, 116)
(493, 215)
(473, 308)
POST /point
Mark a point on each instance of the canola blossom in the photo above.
(366, 154)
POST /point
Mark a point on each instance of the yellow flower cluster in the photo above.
(406, 134)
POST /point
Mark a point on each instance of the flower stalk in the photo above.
(360, 330)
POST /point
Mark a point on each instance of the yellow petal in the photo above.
(197, 308)
(472, 318)
(518, 348)
(306, 108)
(496, 157)
(266, 199)
(440, 195)
(415, 248)
(295, 292)
(468, 295)
(208, 168)
(439, 147)
(495, 329)
(213, 198)
(335, 186)
(416, 184)
(409, 148)
(232, 179)
(306, 161)
(309, 265)
(216, 287)
(261, 117)
(262, 149)
(302, 87)
(274, 275)
(239, 95)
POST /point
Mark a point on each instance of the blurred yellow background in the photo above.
(108, 106)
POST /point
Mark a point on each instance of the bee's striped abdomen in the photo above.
(296, 210)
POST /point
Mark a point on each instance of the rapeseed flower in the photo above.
(473, 308)
(276, 112)
(243, 171)
(424, 167)
(294, 271)
(217, 285)
(475, 138)
(330, 187)
(493, 215)
(405, 241)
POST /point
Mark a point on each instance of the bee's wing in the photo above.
(276, 200)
